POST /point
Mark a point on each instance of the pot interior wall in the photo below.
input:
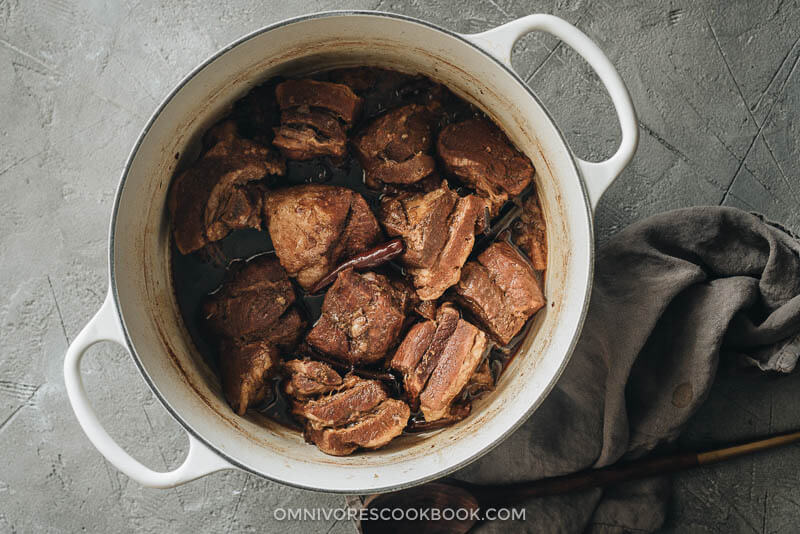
(140, 249)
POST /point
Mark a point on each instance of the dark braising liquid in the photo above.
(196, 275)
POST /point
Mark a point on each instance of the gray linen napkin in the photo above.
(671, 295)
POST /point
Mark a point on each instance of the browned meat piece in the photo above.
(371, 431)
(432, 282)
(419, 353)
(413, 347)
(255, 302)
(336, 98)
(253, 316)
(530, 233)
(438, 229)
(501, 290)
(214, 195)
(437, 359)
(309, 134)
(309, 377)
(362, 316)
(342, 415)
(311, 115)
(459, 358)
(395, 147)
(246, 369)
(480, 383)
(314, 227)
(478, 153)
(421, 220)
(356, 398)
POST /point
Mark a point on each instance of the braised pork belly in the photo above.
(252, 317)
(396, 147)
(357, 276)
(383, 89)
(355, 413)
(216, 194)
(314, 118)
(255, 297)
(306, 378)
(438, 229)
(362, 315)
(437, 359)
(372, 431)
(246, 368)
(500, 290)
(479, 154)
(313, 227)
(354, 398)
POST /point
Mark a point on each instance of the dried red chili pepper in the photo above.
(369, 258)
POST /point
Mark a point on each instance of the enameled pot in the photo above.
(140, 311)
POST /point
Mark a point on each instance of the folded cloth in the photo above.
(671, 294)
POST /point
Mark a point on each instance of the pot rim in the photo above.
(146, 129)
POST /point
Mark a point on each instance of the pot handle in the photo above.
(500, 41)
(104, 326)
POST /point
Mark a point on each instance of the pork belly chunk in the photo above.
(438, 358)
(438, 229)
(216, 194)
(371, 431)
(419, 353)
(253, 317)
(314, 227)
(315, 117)
(501, 290)
(246, 368)
(362, 316)
(530, 233)
(255, 301)
(309, 134)
(306, 378)
(356, 397)
(479, 153)
(335, 98)
(395, 147)
(458, 360)
(342, 414)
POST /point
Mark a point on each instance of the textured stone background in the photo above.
(718, 95)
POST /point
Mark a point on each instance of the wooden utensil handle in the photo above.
(617, 473)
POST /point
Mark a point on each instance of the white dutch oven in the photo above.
(140, 311)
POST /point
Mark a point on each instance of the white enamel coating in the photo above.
(104, 326)
(141, 313)
(500, 41)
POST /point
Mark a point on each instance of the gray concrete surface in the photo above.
(718, 95)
